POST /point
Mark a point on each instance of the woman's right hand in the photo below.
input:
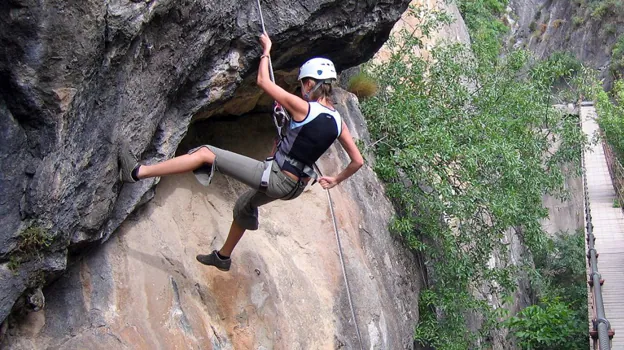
(266, 43)
(328, 182)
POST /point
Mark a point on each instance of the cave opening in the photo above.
(251, 134)
(243, 124)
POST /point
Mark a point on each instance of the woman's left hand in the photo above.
(328, 182)
(266, 43)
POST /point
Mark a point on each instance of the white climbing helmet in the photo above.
(318, 68)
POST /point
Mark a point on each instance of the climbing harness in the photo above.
(282, 121)
(306, 169)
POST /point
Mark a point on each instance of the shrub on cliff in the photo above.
(362, 85)
(550, 325)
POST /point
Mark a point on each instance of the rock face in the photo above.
(144, 289)
(76, 77)
(547, 26)
(456, 32)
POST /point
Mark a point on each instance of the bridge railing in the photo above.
(601, 332)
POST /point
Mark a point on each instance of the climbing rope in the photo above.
(264, 31)
(278, 111)
(342, 263)
(280, 116)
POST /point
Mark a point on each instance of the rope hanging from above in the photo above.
(281, 118)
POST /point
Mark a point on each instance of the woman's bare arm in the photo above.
(346, 140)
(296, 106)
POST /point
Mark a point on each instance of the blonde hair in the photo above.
(324, 91)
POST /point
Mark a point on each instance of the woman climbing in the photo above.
(314, 127)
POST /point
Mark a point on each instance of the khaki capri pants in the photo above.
(249, 171)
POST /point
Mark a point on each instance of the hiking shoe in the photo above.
(213, 259)
(127, 163)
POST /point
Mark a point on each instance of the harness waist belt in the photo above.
(304, 168)
(266, 174)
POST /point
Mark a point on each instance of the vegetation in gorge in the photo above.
(617, 58)
(598, 9)
(463, 143)
(611, 120)
(558, 319)
(485, 20)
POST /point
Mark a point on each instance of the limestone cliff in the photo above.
(547, 26)
(143, 289)
(75, 77)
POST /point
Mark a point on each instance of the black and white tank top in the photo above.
(308, 139)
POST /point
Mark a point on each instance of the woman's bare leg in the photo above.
(177, 165)
(235, 234)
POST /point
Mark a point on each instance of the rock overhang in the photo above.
(77, 77)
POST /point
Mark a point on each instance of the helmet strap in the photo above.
(313, 90)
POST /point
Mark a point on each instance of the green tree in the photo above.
(559, 318)
(551, 325)
(465, 150)
(484, 20)
(564, 271)
(617, 58)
